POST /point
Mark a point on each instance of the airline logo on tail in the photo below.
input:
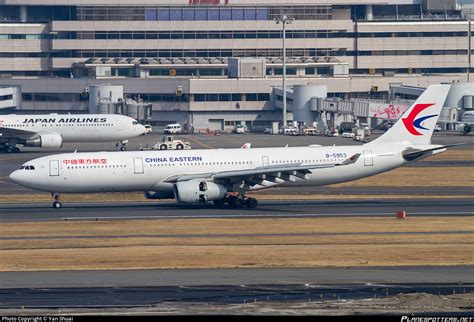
(412, 123)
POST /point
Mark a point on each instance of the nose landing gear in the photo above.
(122, 146)
(56, 200)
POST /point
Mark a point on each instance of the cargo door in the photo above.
(53, 168)
(368, 158)
(138, 166)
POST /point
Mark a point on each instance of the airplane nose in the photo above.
(142, 129)
(15, 176)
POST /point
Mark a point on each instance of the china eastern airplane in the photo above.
(225, 175)
(51, 130)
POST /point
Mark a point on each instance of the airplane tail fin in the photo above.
(417, 124)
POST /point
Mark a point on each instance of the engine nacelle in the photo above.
(46, 140)
(199, 191)
(158, 195)
(464, 128)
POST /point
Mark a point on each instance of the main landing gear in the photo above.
(122, 146)
(56, 200)
(6, 148)
(237, 200)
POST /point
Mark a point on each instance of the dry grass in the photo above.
(223, 256)
(418, 177)
(224, 243)
(454, 155)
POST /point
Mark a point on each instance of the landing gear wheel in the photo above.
(251, 202)
(235, 201)
(219, 203)
(57, 205)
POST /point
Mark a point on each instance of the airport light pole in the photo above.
(469, 51)
(284, 20)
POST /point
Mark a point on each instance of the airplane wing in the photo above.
(267, 175)
(9, 133)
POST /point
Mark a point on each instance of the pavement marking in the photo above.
(200, 143)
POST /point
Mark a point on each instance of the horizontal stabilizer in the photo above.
(412, 154)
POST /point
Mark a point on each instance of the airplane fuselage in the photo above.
(149, 170)
(71, 128)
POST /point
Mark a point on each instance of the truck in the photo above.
(361, 133)
(168, 143)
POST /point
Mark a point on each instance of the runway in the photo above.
(266, 209)
(145, 288)
(462, 275)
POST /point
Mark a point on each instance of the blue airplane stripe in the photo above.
(417, 122)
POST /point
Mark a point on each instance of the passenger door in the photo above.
(54, 168)
(368, 158)
(138, 166)
(265, 161)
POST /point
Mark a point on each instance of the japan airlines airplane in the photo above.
(51, 130)
(225, 175)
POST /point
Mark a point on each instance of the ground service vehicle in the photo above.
(173, 129)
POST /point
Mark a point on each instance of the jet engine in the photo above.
(199, 191)
(159, 195)
(46, 140)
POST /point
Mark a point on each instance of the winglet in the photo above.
(351, 160)
(246, 146)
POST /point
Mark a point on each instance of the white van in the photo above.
(148, 129)
(173, 129)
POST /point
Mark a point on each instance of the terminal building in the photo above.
(216, 63)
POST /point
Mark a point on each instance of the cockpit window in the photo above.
(22, 167)
(135, 122)
(27, 167)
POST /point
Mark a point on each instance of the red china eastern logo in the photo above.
(412, 123)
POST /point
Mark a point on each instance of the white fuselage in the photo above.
(148, 170)
(75, 128)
